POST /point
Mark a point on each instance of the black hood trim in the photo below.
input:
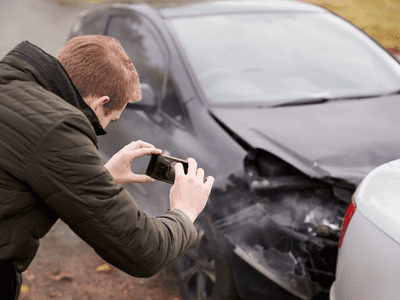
(57, 78)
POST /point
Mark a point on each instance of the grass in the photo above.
(378, 18)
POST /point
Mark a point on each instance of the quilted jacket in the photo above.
(50, 168)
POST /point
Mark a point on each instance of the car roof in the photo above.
(237, 6)
(213, 7)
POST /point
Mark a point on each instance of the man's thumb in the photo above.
(139, 178)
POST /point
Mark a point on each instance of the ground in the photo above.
(66, 268)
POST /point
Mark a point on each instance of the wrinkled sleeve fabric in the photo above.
(66, 172)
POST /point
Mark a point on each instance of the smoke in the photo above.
(297, 209)
(251, 218)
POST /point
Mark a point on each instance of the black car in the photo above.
(287, 105)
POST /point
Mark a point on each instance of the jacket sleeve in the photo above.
(66, 172)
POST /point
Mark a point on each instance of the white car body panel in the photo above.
(369, 259)
(378, 198)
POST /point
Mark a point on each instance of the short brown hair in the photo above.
(98, 65)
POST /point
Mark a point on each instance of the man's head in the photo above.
(103, 74)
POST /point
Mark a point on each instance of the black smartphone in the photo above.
(161, 167)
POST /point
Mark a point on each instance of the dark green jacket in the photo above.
(50, 168)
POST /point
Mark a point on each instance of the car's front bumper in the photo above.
(274, 261)
(253, 285)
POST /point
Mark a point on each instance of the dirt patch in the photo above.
(66, 268)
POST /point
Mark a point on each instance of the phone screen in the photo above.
(161, 167)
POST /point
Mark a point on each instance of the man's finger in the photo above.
(209, 181)
(192, 167)
(143, 144)
(153, 151)
(145, 179)
(138, 178)
(200, 174)
(178, 170)
(133, 154)
(139, 144)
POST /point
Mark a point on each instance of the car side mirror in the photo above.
(148, 102)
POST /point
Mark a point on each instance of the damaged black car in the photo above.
(287, 105)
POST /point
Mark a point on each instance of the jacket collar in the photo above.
(56, 79)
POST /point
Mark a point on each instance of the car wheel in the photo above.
(203, 272)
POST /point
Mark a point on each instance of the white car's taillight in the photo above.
(349, 214)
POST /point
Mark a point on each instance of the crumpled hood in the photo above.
(343, 139)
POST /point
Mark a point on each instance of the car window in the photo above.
(141, 44)
(143, 49)
(170, 104)
(94, 25)
(270, 58)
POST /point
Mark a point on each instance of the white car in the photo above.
(369, 249)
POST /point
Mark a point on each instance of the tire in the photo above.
(203, 272)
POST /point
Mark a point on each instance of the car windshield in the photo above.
(272, 58)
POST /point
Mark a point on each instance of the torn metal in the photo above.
(270, 244)
(283, 223)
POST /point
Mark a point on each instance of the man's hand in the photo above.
(189, 192)
(120, 164)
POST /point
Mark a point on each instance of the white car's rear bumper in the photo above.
(332, 292)
(368, 264)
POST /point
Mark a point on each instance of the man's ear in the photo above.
(104, 99)
(96, 102)
(99, 101)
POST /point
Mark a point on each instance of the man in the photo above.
(51, 111)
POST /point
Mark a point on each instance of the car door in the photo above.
(166, 127)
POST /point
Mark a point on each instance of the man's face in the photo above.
(111, 117)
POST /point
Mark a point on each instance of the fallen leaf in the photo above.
(104, 268)
(24, 289)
